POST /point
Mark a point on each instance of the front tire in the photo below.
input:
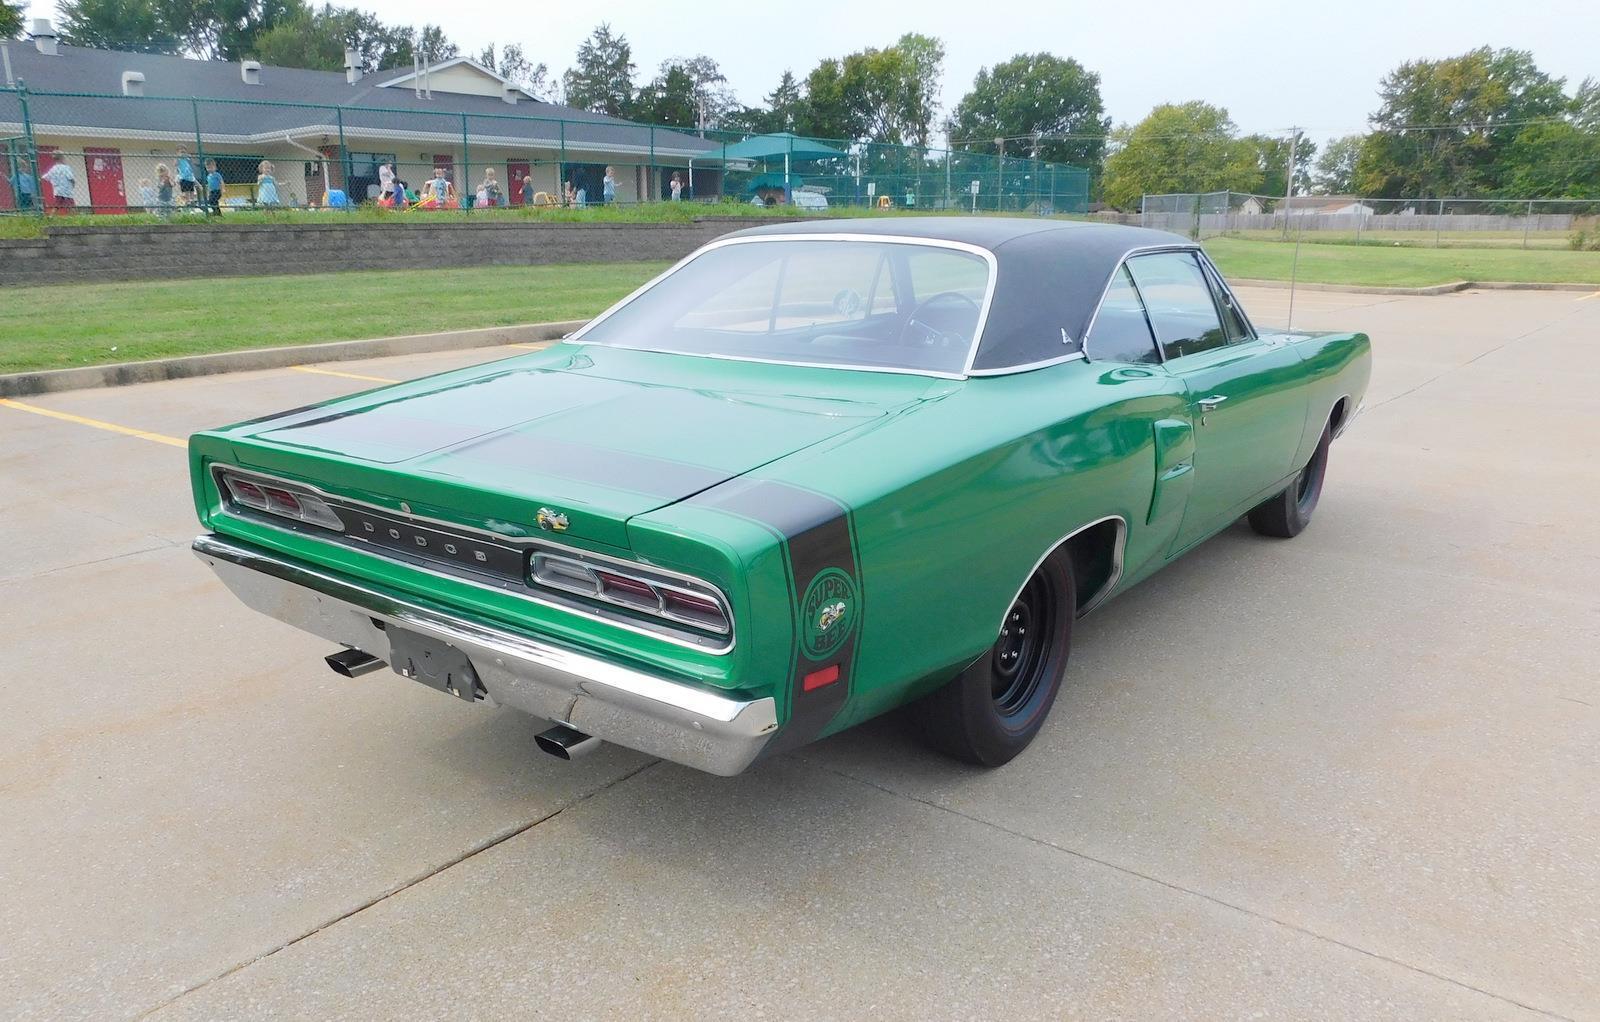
(1287, 514)
(992, 710)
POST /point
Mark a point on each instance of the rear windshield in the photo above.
(867, 304)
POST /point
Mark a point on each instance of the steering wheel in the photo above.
(918, 329)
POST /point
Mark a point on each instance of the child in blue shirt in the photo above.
(213, 188)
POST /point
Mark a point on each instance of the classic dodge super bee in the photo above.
(812, 473)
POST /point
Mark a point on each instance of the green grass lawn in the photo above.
(1389, 266)
(60, 325)
(57, 326)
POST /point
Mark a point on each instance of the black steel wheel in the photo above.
(1286, 515)
(992, 710)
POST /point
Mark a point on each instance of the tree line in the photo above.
(1487, 123)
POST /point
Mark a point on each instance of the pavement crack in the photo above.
(485, 845)
(1213, 899)
(1480, 355)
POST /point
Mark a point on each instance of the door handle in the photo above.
(1209, 404)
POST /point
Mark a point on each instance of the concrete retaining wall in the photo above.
(71, 254)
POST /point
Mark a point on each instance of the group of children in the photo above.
(172, 190)
(439, 192)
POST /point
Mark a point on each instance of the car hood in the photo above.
(600, 434)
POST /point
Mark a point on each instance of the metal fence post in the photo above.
(651, 172)
(465, 189)
(561, 165)
(344, 156)
(1438, 227)
(199, 152)
(32, 146)
(1525, 222)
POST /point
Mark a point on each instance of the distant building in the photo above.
(1327, 205)
(129, 111)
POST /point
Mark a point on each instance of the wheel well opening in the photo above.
(1336, 420)
(1093, 554)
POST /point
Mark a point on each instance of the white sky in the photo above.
(1270, 64)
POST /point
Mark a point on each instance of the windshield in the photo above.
(872, 304)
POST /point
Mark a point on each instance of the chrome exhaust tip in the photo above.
(564, 742)
(352, 663)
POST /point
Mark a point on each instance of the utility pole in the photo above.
(1288, 187)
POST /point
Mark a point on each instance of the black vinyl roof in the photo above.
(1050, 273)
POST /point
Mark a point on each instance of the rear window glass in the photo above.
(868, 304)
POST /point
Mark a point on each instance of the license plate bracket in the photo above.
(434, 663)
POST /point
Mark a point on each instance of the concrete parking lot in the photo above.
(1348, 776)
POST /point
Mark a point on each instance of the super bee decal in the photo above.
(827, 613)
(829, 602)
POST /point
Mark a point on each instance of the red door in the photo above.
(515, 172)
(8, 169)
(105, 180)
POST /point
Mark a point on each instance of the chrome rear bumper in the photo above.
(653, 714)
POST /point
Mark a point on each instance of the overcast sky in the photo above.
(1270, 64)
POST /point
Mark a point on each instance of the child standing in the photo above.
(147, 195)
(186, 181)
(266, 185)
(213, 188)
(527, 190)
(164, 189)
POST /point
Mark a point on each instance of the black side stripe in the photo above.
(819, 535)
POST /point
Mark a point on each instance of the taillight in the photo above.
(281, 500)
(675, 600)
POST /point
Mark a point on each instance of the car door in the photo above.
(1246, 401)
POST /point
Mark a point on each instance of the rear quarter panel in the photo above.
(953, 503)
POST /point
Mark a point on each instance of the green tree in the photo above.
(1444, 126)
(875, 95)
(602, 79)
(119, 25)
(317, 39)
(1553, 161)
(10, 19)
(512, 64)
(1035, 96)
(668, 99)
(785, 103)
(1272, 160)
(1336, 167)
(1188, 147)
(827, 113)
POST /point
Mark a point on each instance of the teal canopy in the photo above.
(778, 145)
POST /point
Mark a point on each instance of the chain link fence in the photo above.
(1349, 219)
(142, 154)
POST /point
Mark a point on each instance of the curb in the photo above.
(1435, 289)
(121, 374)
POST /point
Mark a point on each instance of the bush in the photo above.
(1586, 234)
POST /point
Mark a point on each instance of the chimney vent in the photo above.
(352, 65)
(133, 83)
(250, 72)
(44, 37)
(511, 94)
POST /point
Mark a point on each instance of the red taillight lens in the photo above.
(629, 591)
(247, 493)
(662, 597)
(282, 501)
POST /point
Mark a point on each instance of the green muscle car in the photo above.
(812, 473)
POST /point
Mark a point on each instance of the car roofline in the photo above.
(973, 345)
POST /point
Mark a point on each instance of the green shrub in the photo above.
(1586, 234)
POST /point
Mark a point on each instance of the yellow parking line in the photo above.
(111, 427)
(347, 376)
(530, 347)
(1587, 297)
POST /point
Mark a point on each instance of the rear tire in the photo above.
(992, 710)
(1287, 514)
